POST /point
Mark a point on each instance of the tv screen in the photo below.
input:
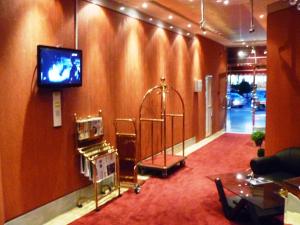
(59, 67)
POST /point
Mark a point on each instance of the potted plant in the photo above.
(258, 137)
(261, 152)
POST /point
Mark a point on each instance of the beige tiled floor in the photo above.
(89, 205)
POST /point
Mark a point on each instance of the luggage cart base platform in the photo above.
(157, 163)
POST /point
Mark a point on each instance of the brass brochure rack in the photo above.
(99, 161)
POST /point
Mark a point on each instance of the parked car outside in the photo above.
(235, 100)
(259, 99)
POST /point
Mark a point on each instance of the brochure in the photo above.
(259, 181)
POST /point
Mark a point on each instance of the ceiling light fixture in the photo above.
(122, 8)
(204, 26)
(226, 2)
(150, 19)
(160, 25)
(189, 25)
(252, 28)
(171, 27)
(261, 16)
(145, 5)
(294, 3)
(170, 17)
(133, 14)
(241, 54)
(202, 21)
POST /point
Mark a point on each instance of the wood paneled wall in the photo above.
(283, 84)
(213, 61)
(123, 57)
(1, 197)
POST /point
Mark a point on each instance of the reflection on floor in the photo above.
(239, 120)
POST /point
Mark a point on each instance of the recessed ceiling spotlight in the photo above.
(226, 2)
(204, 32)
(133, 14)
(191, 0)
(261, 16)
(219, 1)
(188, 34)
(247, 46)
(265, 52)
(160, 25)
(122, 8)
(170, 17)
(145, 5)
(189, 25)
(150, 19)
(171, 27)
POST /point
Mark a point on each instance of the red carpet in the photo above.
(186, 196)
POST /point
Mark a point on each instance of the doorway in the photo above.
(246, 103)
(208, 100)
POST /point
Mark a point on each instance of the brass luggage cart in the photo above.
(161, 115)
(126, 143)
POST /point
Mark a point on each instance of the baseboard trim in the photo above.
(53, 209)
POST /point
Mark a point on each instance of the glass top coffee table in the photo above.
(263, 199)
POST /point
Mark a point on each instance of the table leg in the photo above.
(253, 214)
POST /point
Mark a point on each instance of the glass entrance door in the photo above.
(246, 103)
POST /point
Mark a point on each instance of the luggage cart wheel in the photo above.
(142, 171)
(137, 189)
(164, 173)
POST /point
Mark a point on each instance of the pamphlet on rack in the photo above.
(105, 166)
(259, 181)
(97, 126)
(87, 128)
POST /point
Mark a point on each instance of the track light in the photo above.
(294, 3)
(252, 28)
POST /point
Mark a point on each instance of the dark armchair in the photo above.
(281, 166)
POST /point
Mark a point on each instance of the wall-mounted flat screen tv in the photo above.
(59, 67)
